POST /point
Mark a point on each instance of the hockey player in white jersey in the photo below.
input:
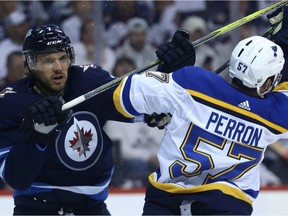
(210, 154)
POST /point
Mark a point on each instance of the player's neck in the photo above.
(41, 91)
(249, 91)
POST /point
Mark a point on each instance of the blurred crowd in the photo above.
(124, 37)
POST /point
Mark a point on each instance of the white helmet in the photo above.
(254, 60)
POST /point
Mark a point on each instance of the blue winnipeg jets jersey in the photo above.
(80, 160)
(217, 135)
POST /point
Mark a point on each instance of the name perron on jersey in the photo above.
(217, 135)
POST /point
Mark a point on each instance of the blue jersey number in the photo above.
(191, 152)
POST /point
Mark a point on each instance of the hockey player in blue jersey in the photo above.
(210, 154)
(61, 163)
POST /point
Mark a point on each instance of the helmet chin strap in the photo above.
(261, 94)
(272, 82)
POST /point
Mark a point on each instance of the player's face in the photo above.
(51, 72)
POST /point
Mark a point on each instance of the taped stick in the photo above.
(196, 43)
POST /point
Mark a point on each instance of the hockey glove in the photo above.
(279, 20)
(155, 120)
(177, 53)
(43, 120)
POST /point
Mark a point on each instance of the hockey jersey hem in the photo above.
(224, 188)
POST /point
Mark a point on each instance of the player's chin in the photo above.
(58, 86)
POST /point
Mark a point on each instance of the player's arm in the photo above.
(20, 162)
(24, 152)
(174, 55)
(151, 92)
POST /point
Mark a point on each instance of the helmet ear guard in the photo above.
(254, 60)
(46, 39)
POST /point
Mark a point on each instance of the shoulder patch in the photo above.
(7, 90)
(88, 66)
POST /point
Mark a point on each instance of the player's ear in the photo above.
(266, 85)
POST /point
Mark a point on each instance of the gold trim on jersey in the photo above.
(117, 100)
(237, 110)
(281, 86)
(175, 189)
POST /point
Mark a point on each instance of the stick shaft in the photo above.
(196, 43)
(240, 22)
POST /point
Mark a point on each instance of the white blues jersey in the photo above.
(217, 135)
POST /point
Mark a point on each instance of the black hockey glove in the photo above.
(177, 53)
(279, 20)
(43, 120)
(155, 120)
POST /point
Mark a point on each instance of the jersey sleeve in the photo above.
(150, 92)
(83, 79)
(20, 162)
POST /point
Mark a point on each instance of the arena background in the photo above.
(271, 201)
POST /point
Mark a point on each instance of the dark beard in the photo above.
(44, 89)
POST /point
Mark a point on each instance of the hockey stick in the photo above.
(226, 64)
(196, 43)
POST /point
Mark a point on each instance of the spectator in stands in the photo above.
(116, 34)
(137, 143)
(81, 10)
(267, 177)
(6, 7)
(138, 146)
(15, 69)
(57, 11)
(276, 160)
(136, 46)
(198, 8)
(16, 26)
(169, 22)
(206, 55)
(36, 12)
(86, 48)
(122, 66)
(246, 31)
(122, 11)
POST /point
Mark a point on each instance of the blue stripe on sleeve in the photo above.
(126, 98)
